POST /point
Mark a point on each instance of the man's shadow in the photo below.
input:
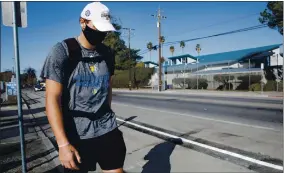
(159, 157)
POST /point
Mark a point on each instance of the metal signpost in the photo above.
(14, 14)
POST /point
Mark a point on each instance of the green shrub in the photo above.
(244, 85)
(272, 86)
(191, 83)
(139, 77)
(269, 86)
(255, 87)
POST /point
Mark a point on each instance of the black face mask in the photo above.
(94, 37)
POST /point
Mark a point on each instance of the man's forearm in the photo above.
(55, 118)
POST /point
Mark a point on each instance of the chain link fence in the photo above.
(257, 80)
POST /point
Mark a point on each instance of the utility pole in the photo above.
(129, 53)
(198, 49)
(159, 17)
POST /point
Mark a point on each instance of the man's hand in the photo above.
(67, 156)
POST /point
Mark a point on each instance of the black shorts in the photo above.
(108, 151)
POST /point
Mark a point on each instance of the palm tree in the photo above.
(198, 48)
(150, 47)
(172, 49)
(182, 45)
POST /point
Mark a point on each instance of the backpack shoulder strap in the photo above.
(74, 56)
(108, 53)
(74, 49)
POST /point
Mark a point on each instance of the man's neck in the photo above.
(84, 42)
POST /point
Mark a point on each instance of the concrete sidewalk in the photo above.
(207, 93)
(39, 152)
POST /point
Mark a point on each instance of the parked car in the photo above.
(38, 87)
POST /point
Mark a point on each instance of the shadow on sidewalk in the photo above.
(58, 169)
(159, 157)
(9, 126)
(10, 165)
(14, 112)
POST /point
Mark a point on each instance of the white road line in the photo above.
(197, 117)
(207, 146)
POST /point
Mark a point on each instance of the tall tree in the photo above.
(172, 49)
(150, 47)
(30, 75)
(121, 51)
(182, 45)
(272, 16)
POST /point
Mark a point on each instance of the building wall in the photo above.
(189, 60)
(150, 65)
(273, 58)
(220, 67)
(181, 60)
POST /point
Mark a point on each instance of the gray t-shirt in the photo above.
(88, 87)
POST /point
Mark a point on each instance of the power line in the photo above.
(225, 33)
(215, 35)
(220, 23)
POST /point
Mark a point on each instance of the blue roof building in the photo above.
(238, 62)
(225, 60)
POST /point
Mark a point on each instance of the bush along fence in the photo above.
(224, 82)
(140, 77)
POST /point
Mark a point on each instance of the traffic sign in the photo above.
(21, 14)
(11, 89)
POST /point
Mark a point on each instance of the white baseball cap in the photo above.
(98, 13)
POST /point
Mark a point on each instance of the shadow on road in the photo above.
(159, 157)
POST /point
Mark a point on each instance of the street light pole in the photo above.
(129, 51)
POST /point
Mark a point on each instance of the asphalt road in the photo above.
(241, 128)
(214, 96)
(257, 114)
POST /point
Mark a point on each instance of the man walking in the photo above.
(78, 73)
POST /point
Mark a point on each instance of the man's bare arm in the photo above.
(54, 112)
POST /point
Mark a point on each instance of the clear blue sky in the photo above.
(51, 22)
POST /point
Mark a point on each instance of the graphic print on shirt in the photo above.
(91, 82)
